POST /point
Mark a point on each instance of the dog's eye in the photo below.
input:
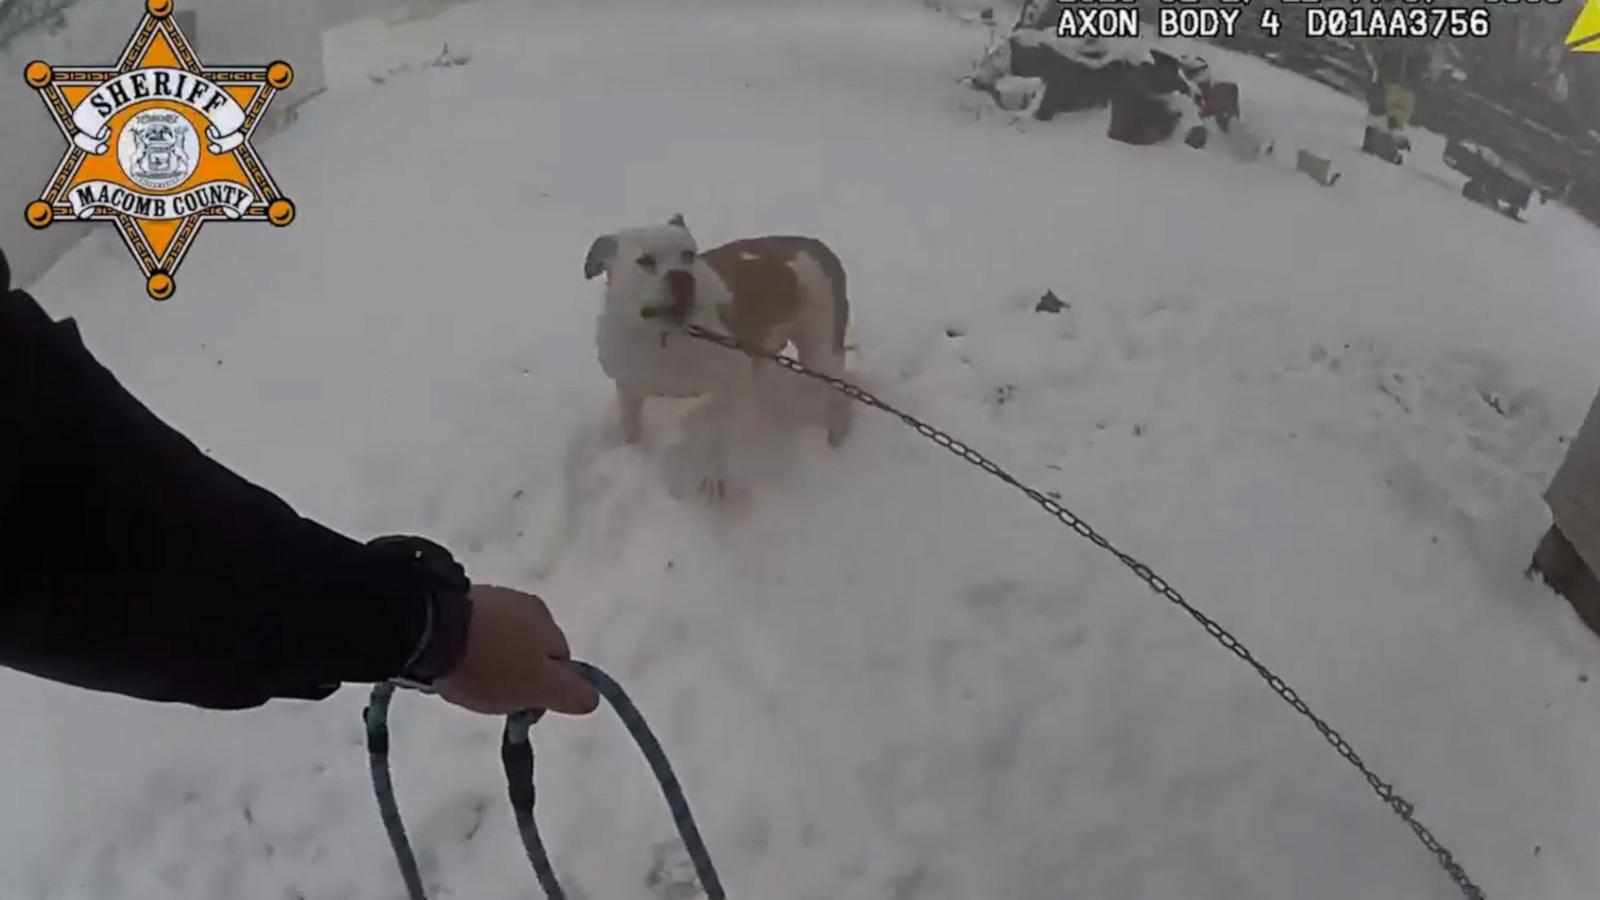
(688, 257)
(647, 262)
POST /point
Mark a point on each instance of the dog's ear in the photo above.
(677, 219)
(601, 254)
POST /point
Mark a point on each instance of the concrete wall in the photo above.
(226, 32)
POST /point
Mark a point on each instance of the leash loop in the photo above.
(516, 754)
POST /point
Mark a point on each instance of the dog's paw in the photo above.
(717, 484)
(628, 431)
(841, 417)
(616, 439)
(617, 433)
(714, 488)
(725, 495)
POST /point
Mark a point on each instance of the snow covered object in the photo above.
(1391, 101)
(1568, 557)
(1150, 101)
(1154, 94)
(1319, 168)
(1217, 100)
(1491, 180)
(1076, 73)
(1145, 87)
(1382, 138)
(1018, 94)
(1217, 103)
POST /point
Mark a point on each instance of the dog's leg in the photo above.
(632, 403)
(718, 413)
(841, 409)
(722, 423)
(838, 410)
(819, 334)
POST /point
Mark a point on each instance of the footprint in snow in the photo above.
(989, 594)
(672, 875)
(1168, 304)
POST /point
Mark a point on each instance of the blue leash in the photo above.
(516, 753)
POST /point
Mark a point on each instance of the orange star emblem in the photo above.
(159, 144)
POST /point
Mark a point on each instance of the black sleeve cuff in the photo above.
(446, 606)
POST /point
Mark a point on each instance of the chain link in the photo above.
(1385, 791)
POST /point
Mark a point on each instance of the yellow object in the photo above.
(280, 75)
(1585, 34)
(1400, 103)
(159, 286)
(38, 73)
(280, 212)
(39, 214)
(158, 162)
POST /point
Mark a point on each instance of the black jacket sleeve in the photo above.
(131, 562)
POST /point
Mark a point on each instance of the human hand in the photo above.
(513, 659)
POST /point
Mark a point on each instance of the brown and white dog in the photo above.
(765, 292)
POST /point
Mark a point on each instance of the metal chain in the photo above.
(1385, 791)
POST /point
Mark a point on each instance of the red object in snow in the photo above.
(1219, 100)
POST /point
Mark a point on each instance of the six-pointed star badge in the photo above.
(159, 144)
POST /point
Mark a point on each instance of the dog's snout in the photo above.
(679, 304)
(680, 283)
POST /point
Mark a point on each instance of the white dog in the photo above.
(764, 292)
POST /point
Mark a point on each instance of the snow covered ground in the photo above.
(1324, 414)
